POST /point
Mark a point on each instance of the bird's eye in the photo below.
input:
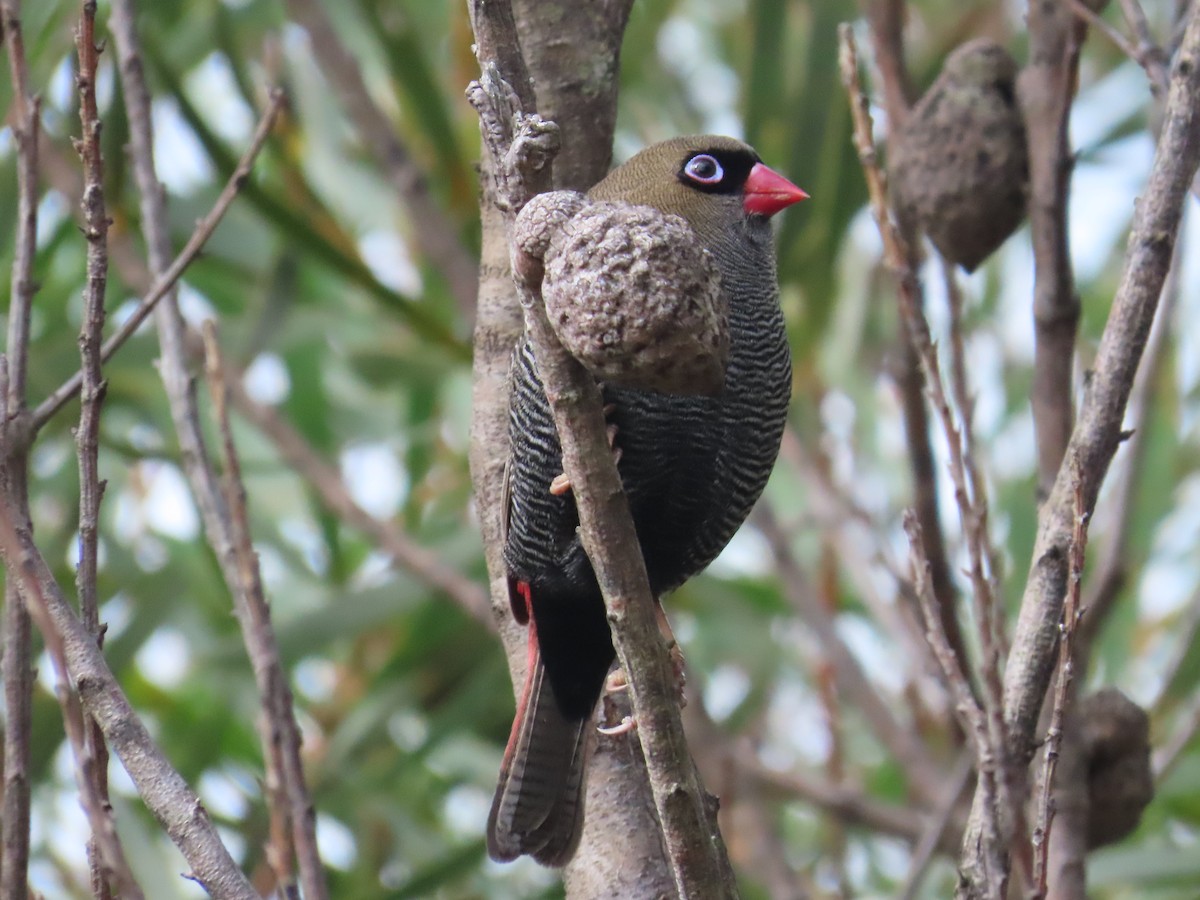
(704, 169)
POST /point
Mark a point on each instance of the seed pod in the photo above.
(1116, 739)
(959, 166)
(635, 298)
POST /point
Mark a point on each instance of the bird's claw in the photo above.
(561, 485)
(616, 682)
(625, 726)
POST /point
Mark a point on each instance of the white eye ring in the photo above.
(704, 169)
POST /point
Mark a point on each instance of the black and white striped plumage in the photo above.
(692, 468)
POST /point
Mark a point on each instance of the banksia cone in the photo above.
(959, 166)
(631, 293)
(1116, 739)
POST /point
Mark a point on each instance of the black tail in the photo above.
(538, 808)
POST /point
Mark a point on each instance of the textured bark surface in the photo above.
(572, 55)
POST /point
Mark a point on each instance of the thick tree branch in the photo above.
(693, 844)
(1099, 430)
(519, 146)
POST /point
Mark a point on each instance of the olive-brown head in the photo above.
(709, 180)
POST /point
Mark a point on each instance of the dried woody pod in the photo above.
(959, 168)
(1116, 739)
(630, 293)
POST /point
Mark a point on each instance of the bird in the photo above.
(691, 466)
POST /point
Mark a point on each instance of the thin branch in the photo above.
(112, 864)
(105, 854)
(1046, 88)
(1148, 53)
(293, 821)
(162, 788)
(969, 493)
(17, 665)
(971, 715)
(1167, 756)
(850, 805)
(26, 127)
(886, 20)
(1064, 695)
(434, 233)
(164, 284)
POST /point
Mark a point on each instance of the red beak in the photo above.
(767, 192)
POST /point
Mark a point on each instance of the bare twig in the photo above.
(435, 234)
(1170, 753)
(886, 19)
(1046, 88)
(164, 791)
(1064, 693)
(293, 821)
(901, 740)
(1148, 52)
(111, 863)
(164, 283)
(849, 804)
(17, 666)
(105, 854)
(970, 495)
(972, 717)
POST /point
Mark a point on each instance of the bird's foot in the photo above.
(625, 726)
(562, 484)
(616, 682)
